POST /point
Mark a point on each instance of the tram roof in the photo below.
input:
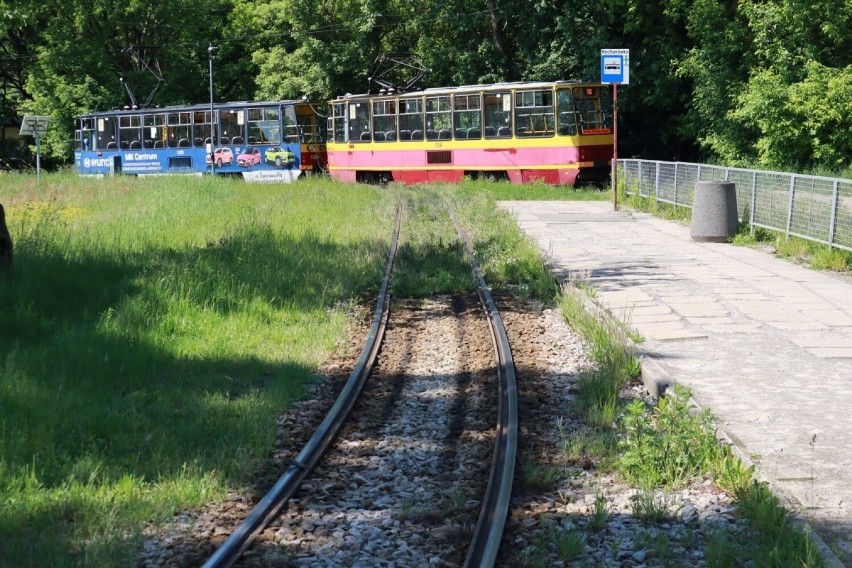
(190, 107)
(466, 88)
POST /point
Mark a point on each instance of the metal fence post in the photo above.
(833, 220)
(639, 175)
(790, 204)
(675, 183)
(753, 201)
(657, 179)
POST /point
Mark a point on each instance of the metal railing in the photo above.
(811, 207)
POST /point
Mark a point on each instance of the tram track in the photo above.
(368, 504)
(414, 463)
(402, 484)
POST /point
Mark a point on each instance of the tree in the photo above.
(768, 77)
(83, 54)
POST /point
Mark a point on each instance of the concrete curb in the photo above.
(657, 381)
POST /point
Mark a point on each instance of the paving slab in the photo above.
(764, 343)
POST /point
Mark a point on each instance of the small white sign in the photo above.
(615, 66)
(271, 176)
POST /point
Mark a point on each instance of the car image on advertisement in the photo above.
(280, 157)
(249, 158)
(221, 156)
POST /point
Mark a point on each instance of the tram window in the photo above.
(232, 122)
(384, 120)
(338, 113)
(567, 125)
(439, 121)
(467, 116)
(201, 128)
(84, 138)
(594, 109)
(291, 126)
(411, 119)
(107, 133)
(154, 134)
(179, 129)
(534, 113)
(129, 129)
(359, 122)
(264, 125)
(498, 115)
(311, 127)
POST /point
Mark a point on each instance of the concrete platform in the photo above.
(764, 343)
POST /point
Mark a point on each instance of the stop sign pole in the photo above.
(615, 70)
(35, 126)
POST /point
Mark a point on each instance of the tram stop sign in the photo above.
(615, 66)
(35, 126)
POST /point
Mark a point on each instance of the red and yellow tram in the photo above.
(557, 132)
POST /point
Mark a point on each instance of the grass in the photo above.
(154, 329)
(813, 254)
(772, 538)
(151, 332)
(650, 508)
(654, 207)
(537, 476)
(504, 191)
(666, 446)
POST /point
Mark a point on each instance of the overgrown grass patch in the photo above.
(431, 257)
(150, 334)
(816, 255)
(665, 446)
(511, 263)
(772, 539)
(654, 207)
(507, 191)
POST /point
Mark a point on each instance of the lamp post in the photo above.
(210, 52)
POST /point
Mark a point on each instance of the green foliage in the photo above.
(510, 261)
(537, 476)
(771, 81)
(666, 445)
(731, 474)
(804, 123)
(748, 82)
(431, 258)
(600, 512)
(649, 507)
(772, 539)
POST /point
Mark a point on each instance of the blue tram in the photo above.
(260, 141)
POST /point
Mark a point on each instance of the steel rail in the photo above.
(495, 505)
(287, 485)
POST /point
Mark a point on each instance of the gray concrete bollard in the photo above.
(714, 212)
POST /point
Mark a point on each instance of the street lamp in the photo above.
(210, 52)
